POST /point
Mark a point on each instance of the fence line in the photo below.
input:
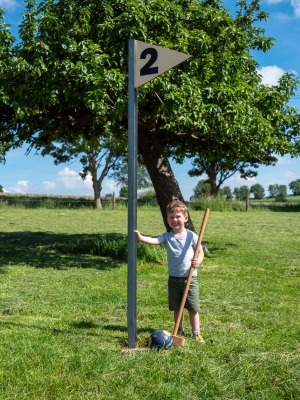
(113, 203)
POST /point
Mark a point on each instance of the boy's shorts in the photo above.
(176, 288)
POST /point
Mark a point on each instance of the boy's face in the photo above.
(176, 221)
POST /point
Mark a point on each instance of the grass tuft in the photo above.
(107, 246)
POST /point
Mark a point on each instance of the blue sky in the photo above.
(39, 175)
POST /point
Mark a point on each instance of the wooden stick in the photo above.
(179, 341)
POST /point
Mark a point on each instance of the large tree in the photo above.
(68, 77)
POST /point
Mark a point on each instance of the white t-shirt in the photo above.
(180, 251)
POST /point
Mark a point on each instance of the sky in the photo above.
(34, 174)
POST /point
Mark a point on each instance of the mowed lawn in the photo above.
(63, 316)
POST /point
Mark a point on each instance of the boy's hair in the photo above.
(177, 205)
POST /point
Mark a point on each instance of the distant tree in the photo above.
(124, 192)
(236, 193)
(244, 192)
(222, 166)
(227, 192)
(258, 191)
(202, 189)
(241, 193)
(295, 187)
(271, 190)
(109, 195)
(280, 192)
(120, 175)
(1, 189)
(148, 195)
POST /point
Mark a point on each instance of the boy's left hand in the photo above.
(196, 262)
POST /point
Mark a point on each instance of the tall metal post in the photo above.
(132, 200)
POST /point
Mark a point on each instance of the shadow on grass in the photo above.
(55, 331)
(30, 248)
(121, 328)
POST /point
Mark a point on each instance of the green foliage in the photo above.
(1, 189)
(271, 190)
(241, 193)
(218, 204)
(278, 191)
(258, 191)
(202, 189)
(67, 78)
(120, 175)
(147, 195)
(227, 192)
(220, 169)
(124, 191)
(295, 187)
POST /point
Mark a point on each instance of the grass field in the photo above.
(63, 315)
(290, 198)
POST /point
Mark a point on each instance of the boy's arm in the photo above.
(146, 239)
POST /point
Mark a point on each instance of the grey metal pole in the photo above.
(132, 200)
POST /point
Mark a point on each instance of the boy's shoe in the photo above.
(180, 333)
(198, 337)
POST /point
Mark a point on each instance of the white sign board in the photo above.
(152, 61)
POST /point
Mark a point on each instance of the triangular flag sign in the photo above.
(152, 61)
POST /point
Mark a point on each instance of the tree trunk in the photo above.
(97, 197)
(164, 182)
(212, 174)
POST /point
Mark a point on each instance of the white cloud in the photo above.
(48, 185)
(274, 1)
(282, 161)
(289, 174)
(237, 180)
(66, 173)
(296, 5)
(69, 178)
(110, 186)
(270, 75)
(20, 187)
(9, 4)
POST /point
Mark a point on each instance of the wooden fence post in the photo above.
(113, 201)
(247, 202)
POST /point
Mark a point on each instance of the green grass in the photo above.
(290, 198)
(63, 309)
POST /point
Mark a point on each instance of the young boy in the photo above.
(181, 244)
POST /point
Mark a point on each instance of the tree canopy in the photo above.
(295, 187)
(67, 77)
(258, 191)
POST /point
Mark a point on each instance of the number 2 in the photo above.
(147, 68)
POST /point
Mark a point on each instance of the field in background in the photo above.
(63, 309)
(290, 198)
(118, 203)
